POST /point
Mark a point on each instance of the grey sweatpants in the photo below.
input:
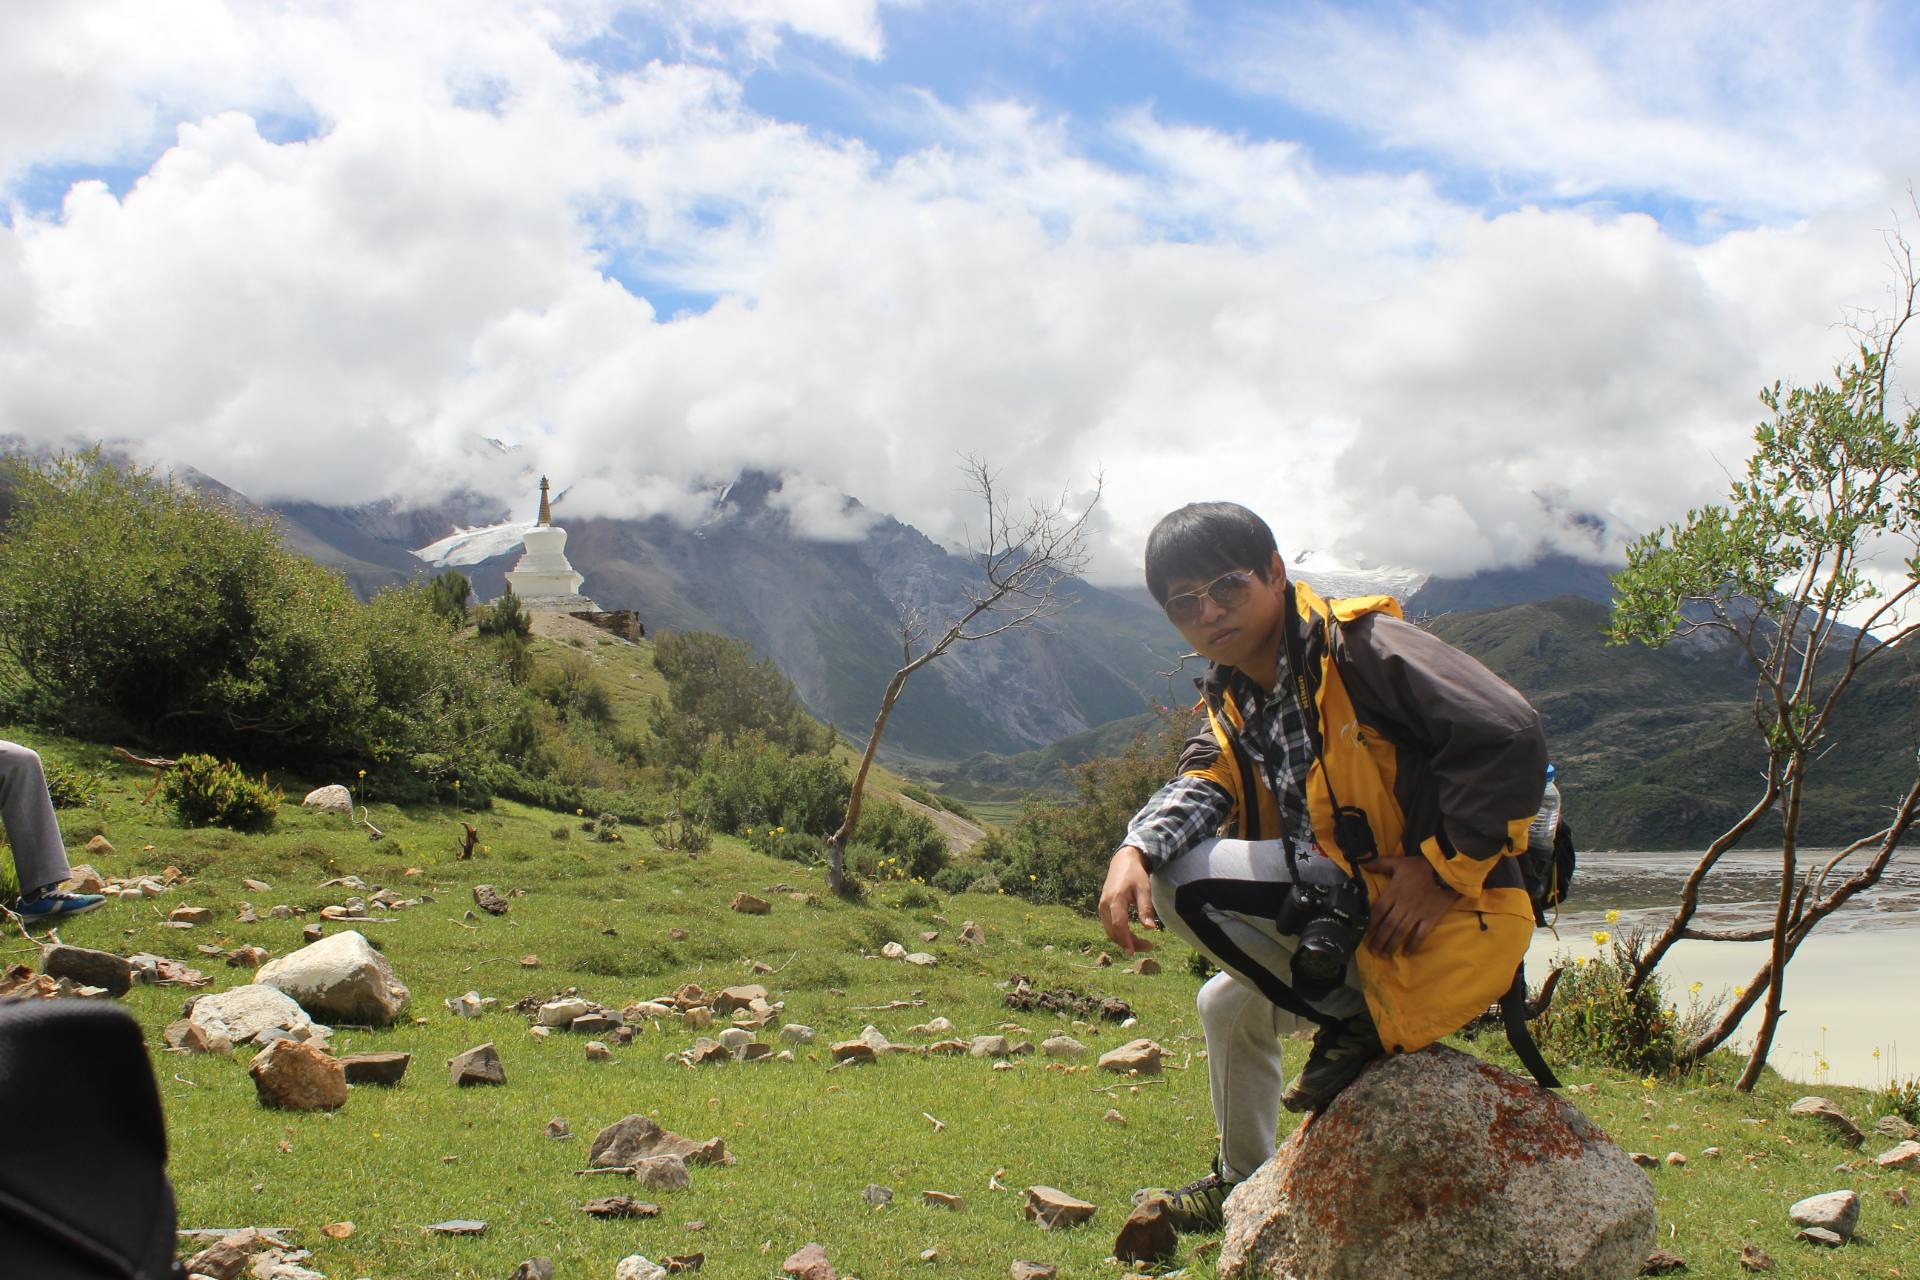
(39, 859)
(1222, 896)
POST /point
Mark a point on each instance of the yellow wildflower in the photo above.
(1694, 989)
(1600, 937)
(1613, 916)
(1649, 1083)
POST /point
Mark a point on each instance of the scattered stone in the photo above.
(539, 1033)
(85, 879)
(623, 1036)
(1146, 966)
(679, 1262)
(598, 1052)
(620, 1207)
(88, 967)
(255, 1012)
(330, 799)
(313, 933)
(852, 1051)
(1063, 1047)
(626, 1141)
(1142, 1056)
(636, 1267)
(533, 1269)
(294, 1076)
(1147, 1235)
(341, 978)
(989, 1047)
(747, 904)
(1114, 1117)
(1836, 1211)
(1493, 1178)
(935, 1027)
(1821, 1236)
(1676, 1160)
(942, 1200)
(1662, 1263)
(1710, 1153)
(894, 951)
(375, 1068)
(1895, 1127)
(1022, 1270)
(596, 1022)
(948, 1047)
(456, 1227)
(870, 1035)
(489, 900)
(972, 935)
(662, 1173)
(562, 1012)
(742, 997)
(1053, 1208)
(705, 1050)
(191, 915)
(99, 846)
(469, 1005)
(1904, 1156)
(336, 1230)
(875, 1194)
(558, 1128)
(478, 1065)
(1644, 1160)
(1755, 1259)
(1824, 1111)
(246, 957)
(930, 935)
(797, 1033)
(194, 1038)
(921, 959)
(809, 1263)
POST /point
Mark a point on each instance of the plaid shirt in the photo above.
(1189, 809)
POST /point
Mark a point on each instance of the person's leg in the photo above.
(1244, 1067)
(39, 859)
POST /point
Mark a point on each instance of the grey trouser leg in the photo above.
(39, 859)
(1221, 896)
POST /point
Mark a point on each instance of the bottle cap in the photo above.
(1549, 772)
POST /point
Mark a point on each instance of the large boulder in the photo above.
(1437, 1164)
(340, 978)
(253, 1012)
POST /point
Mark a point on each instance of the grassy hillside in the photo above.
(807, 1138)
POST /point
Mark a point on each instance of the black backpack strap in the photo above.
(1513, 1012)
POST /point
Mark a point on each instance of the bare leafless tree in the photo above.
(1022, 557)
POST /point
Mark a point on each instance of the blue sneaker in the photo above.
(55, 904)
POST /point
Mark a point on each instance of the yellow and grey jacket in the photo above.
(1439, 758)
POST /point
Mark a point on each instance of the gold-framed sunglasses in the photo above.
(1229, 591)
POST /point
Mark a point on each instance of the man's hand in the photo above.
(1128, 886)
(1405, 912)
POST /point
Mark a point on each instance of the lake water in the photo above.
(1850, 991)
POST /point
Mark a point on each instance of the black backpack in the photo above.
(83, 1150)
(1548, 873)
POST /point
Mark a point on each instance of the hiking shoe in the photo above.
(55, 904)
(1198, 1206)
(1338, 1055)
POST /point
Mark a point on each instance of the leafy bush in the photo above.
(719, 691)
(1059, 852)
(71, 787)
(505, 617)
(186, 619)
(755, 783)
(910, 840)
(956, 877)
(607, 829)
(1593, 1018)
(448, 594)
(205, 792)
(572, 688)
(793, 846)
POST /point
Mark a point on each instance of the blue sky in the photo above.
(1437, 285)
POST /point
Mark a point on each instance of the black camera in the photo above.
(1329, 921)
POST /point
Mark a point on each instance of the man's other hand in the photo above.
(1128, 886)
(1405, 912)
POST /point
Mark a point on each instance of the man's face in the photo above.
(1234, 634)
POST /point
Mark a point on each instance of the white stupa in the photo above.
(543, 579)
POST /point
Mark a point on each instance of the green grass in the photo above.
(807, 1139)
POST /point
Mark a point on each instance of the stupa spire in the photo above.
(546, 508)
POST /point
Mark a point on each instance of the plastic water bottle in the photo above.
(1546, 823)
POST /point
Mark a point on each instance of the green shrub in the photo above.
(448, 594)
(607, 830)
(755, 783)
(572, 688)
(719, 691)
(505, 617)
(914, 846)
(1593, 1020)
(205, 792)
(71, 787)
(793, 846)
(956, 877)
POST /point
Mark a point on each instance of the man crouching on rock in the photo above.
(1339, 739)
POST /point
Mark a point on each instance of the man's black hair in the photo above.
(1205, 540)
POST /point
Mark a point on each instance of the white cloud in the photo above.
(1379, 368)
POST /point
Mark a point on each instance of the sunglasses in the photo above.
(1229, 591)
